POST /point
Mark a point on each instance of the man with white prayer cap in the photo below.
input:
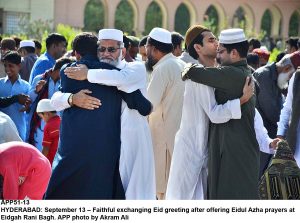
(199, 108)
(90, 143)
(233, 159)
(136, 160)
(165, 92)
(27, 51)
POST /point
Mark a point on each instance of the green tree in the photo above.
(154, 17)
(182, 19)
(94, 16)
(294, 24)
(68, 32)
(211, 19)
(124, 17)
(239, 18)
(34, 29)
(266, 22)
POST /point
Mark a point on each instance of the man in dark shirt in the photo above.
(272, 79)
(27, 51)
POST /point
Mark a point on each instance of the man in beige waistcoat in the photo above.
(165, 91)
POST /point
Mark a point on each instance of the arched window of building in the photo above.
(266, 23)
(294, 25)
(124, 17)
(211, 19)
(94, 16)
(182, 19)
(154, 17)
(239, 19)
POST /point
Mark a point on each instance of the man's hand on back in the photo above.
(77, 73)
(82, 100)
(248, 90)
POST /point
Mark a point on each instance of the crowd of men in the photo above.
(123, 118)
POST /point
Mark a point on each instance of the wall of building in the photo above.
(71, 12)
(13, 10)
(280, 9)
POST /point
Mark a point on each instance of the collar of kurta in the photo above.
(242, 62)
(164, 58)
(122, 64)
(50, 57)
(7, 79)
(33, 55)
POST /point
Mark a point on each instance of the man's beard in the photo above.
(113, 62)
(150, 62)
(282, 80)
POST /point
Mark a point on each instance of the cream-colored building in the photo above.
(71, 12)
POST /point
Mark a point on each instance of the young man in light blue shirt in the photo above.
(12, 84)
(56, 47)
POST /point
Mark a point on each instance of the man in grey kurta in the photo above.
(272, 80)
(27, 50)
(233, 149)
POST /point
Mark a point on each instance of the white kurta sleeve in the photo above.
(129, 79)
(59, 101)
(218, 113)
(285, 114)
(261, 133)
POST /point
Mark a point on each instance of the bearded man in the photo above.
(272, 79)
(136, 159)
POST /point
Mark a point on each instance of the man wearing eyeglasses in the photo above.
(136, 160)
(233, 160)
(200, 108)
(89, 148)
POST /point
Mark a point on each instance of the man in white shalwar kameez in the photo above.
(165, 91)
(188, 173)
(136, 160)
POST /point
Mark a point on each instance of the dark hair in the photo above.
(253, 59)
(8, 43)
(12, 57)
(190, 48)
(37, 43)
(162, 47)
(126, 42)
(280, 56)
(60, 62)
(17, 40)
(134, 41)
(242, 48)
(29, 49)
(54, 38)
(85, 43)
(293, 42)
(143, 41)
(177, 39)
(254, 42)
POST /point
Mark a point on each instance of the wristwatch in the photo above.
(70, 100)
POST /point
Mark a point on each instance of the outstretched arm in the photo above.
(61, 101)
(137, 101)
(223, 112)
(129, 79)
(286, 111)
(20, 98)
(264, 141)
